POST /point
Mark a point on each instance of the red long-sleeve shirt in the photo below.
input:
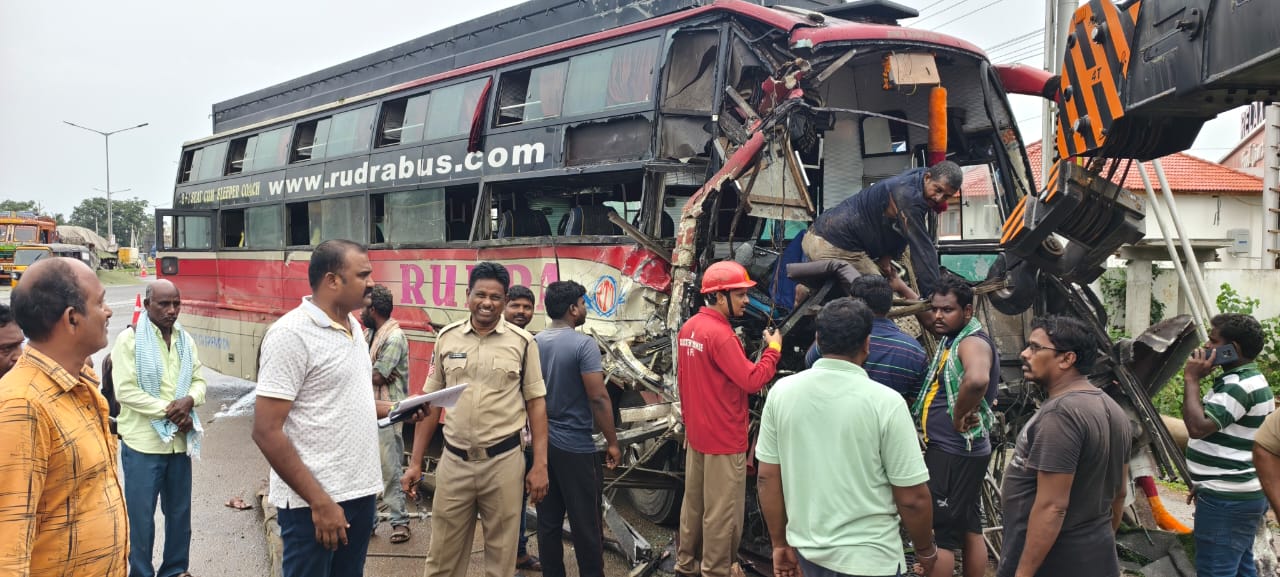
(715, 376)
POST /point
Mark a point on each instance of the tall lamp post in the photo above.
(106, 139)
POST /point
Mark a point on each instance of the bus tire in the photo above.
(1022, 276)
(660, 506)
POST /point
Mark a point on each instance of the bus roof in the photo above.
(538, 27)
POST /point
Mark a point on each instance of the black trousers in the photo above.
(576, 485)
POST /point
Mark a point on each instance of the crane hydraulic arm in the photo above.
(1138, 81)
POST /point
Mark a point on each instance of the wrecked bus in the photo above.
(624, 144)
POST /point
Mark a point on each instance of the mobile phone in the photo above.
(1225, 354)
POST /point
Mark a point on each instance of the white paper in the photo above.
(445, 398)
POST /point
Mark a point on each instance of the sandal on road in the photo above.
(529, 563)
(400, 534)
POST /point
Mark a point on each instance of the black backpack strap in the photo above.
(523, 360)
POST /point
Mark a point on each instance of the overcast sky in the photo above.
(110, 65)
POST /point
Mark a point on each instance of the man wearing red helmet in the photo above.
(715, 377)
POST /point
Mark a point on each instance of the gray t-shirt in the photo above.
(1081, 432)
(566, 355)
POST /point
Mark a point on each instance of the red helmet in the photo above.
(725, 275)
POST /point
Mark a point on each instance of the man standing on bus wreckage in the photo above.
(482, 466)
(873, 227)
(715, 376)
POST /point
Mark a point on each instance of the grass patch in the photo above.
(1173, 485)
(118, 277)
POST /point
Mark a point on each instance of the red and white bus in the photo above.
(627, 145)
(522, 159)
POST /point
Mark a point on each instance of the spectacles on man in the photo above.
(1037, 347)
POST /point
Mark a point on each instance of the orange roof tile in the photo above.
(1187, 175)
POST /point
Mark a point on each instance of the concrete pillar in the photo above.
(1137, 296)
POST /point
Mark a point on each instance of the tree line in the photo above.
(131, 219)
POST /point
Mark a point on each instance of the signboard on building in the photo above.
(1251, 118)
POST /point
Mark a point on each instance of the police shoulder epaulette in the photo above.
(450, 326)
(526, 335)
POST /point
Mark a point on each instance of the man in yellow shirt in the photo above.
(61, 508)
(157, 379)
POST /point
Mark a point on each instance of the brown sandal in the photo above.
(400, 534)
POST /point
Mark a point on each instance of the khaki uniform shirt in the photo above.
(492, 407)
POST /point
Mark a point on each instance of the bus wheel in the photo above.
(1021, 275)
(661, 506)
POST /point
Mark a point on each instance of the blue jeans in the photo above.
(392, 445)
(147, 477)
(304, 556)
(1224, 531)
(811, 569)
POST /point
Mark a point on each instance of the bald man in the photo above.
(156, 373)
(61, 507)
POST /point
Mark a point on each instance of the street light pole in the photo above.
(106, 141)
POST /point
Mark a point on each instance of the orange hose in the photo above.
(937, 125)
(1164, 520)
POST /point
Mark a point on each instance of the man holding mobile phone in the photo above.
(1222, 427)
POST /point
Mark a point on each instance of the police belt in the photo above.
(487, 453)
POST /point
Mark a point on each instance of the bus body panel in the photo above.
(230, 300)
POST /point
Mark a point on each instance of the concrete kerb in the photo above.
(271, 530)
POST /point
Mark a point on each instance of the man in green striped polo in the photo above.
(1229, 498)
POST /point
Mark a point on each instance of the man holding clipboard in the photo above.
(481, 467)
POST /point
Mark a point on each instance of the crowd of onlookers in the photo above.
(875, 440)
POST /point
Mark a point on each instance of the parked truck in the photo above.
(106, 254)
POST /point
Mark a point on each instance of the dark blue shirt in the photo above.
(858, 224)
(566, 355)
(896, 360)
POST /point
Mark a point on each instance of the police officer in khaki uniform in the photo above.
(481, 467)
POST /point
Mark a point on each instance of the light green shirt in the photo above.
(137, 408)
(843, 442)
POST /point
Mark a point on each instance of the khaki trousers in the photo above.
(817, 248)
(711, 515)
(494, 489)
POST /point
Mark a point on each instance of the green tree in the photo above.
(29, 206)
(129, 217)
(19, 206)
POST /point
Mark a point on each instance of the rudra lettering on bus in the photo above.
(447, 291)
(405, 168)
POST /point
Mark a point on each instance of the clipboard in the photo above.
(445, 398)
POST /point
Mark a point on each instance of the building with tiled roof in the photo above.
(1220, 207)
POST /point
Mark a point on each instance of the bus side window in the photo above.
(460, 206)
(411, 216)
(232, 229)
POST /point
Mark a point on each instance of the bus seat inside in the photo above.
(523, 223)
(589, 220)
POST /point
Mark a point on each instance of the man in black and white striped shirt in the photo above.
(1222, 426)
